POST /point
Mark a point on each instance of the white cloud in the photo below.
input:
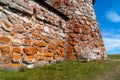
(111, 43)
(113, 16)
(111, 40)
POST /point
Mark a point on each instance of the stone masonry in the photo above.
(34, 33)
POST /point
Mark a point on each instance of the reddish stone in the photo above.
(97, 30)
(46, 39)
(16, 58)
(58, 1)
(29, 59)
(69, 39)
(82, 43)
(56, 46)
(29, 50)
(27, 37)
(40, 56)
(36, 36)
(77, 30)
(77, 49)
(45, 50)
(82, 37)
(20, 28)
(16, 50)
(60, 43)
(51, 46)
(48, 54)
(72, 35)
(16, 42)
(93, 34)
(48, 58)
(15, 65)
(32, 30)
(69, 26)
(69, 30)
(39, 49)
(98, 44)
(27, 42)
(7, 25)
(66, 1)
(86, 32)
(13, 33)
(92, 45)
(69, 48)
(85, 27)
(89, 38)
(102, 49)
(71, 56)
(5, 50)
(55, 56)
(73, 43)
(40, 43)
(4, 39)
(77, 25)
(57, 52)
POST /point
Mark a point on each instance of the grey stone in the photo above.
(23, 4)
(16, 7)
(3, 15)
(5, 2)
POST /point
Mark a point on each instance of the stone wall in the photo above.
(32, 35)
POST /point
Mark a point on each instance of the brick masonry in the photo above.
(31, 35)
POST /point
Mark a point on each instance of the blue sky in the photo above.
(108, 16)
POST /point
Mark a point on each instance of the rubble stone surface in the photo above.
(33, 35)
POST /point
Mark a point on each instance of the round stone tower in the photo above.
(83, 35)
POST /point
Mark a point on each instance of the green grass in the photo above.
(115, 56)
(68, 70)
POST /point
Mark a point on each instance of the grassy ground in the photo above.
(70, 70)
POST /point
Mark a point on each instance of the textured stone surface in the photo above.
(32, 35)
